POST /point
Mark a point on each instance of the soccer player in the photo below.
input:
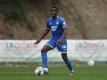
(57, 25)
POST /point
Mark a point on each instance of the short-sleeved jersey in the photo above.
(56, 26)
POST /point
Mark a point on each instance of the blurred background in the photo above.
(22, 22)
(24, 19)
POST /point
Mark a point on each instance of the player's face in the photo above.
(54, 12)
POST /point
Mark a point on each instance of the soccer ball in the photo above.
(91, 62)
(39, 71)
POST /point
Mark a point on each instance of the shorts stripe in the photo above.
(63, 52)
(49, 45)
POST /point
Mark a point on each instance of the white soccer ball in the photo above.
(91, 62)
(39, 71)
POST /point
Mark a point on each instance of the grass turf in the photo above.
(55, 73)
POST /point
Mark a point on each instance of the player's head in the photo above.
(54, 11)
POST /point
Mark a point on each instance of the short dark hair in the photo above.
(55, 7)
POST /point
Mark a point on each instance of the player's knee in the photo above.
(64, 57)
(43, 51)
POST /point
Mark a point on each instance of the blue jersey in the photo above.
(56, 26)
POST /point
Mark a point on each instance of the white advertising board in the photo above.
(26, 51)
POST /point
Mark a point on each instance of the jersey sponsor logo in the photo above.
(54, 28)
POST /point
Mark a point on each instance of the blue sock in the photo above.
(68, 64)
(44, 59)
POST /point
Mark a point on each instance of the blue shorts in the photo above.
(62, 47)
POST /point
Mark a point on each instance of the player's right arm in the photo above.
(45, 33)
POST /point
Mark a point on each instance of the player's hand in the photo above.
(59, 42)
(37, 41)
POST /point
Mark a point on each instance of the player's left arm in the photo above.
(64, 33)
(65, 28)
(63, 36)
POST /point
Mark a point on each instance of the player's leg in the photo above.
(47, 47)
(63, 49)
(44, 51)
(67, 62)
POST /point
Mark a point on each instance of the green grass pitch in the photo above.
(55, 73)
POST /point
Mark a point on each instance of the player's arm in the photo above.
(65, 28)
(44, 34)
(63, 36)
